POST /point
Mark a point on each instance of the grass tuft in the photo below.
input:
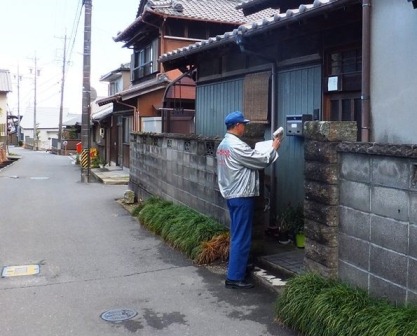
(317, 306)
(182, 227)
(215, 249)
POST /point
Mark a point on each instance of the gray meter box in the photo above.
(295, 123)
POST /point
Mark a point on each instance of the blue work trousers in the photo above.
(241, 216)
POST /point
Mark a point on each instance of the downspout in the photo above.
(239, 42)
(366, 70)
(135, 116)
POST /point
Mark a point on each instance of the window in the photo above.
(344, 103)
(145, 61)
(127, 128)
(114, 88)
(344, 62)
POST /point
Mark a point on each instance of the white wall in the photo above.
(3, 114)
(394, 72)
(45, 136)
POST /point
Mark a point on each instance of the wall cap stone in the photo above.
(373, 148)
(175, 136)
(332, 131)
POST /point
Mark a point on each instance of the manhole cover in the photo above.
(11, 271)
(118, 315)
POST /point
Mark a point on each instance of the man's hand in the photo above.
(276, 143)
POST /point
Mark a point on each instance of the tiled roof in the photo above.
(206, 10)
(72, 119)
(252, 6)
(103, 113)
(5, 81)
(255, 27)
(222, 11)
(153, 84)
(246, 3)
(116, 73)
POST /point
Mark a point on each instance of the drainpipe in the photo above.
(135, 117)
(366, 69)
(239, 42)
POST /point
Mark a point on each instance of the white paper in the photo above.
(265, 147)
(332, 83)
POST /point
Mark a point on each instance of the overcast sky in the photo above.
(38, 27)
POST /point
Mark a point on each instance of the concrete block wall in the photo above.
(183, 169)
(378, 219)
(178, 168)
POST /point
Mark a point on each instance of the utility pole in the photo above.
(61, 107)
(35, 127)
(86, 99)
(19, 78)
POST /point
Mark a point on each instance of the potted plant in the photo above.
(283, 224)
(102, 163)
(298, 226)
(290, 224)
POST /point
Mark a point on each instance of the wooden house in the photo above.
(112, 122)
(165, 101)
(300, 64)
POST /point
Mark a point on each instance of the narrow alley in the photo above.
(74, 262)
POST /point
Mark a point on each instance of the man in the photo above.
(238, 179)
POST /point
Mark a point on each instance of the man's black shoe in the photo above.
(238, 284)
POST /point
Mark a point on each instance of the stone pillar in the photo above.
(321, 203)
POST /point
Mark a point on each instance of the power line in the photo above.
(74, 31)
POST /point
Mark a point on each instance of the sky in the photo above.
(36, 29)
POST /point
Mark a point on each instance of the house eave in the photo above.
(247, 30)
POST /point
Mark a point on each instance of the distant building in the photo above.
(47, 121)
(5, 88)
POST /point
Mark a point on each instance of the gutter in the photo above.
(239, 42)
(366, 70)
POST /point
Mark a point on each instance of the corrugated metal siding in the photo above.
(214, 101)
(299, 92)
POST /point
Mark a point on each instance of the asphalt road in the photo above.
(94, 257)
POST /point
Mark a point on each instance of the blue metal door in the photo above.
(299, 92)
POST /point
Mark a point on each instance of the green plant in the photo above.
(182, 227)
(291, 219)
(317, 306)
(95, 162)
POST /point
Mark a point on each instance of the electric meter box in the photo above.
(295, 123)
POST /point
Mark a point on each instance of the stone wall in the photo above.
(378, 219)
(321, 204)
